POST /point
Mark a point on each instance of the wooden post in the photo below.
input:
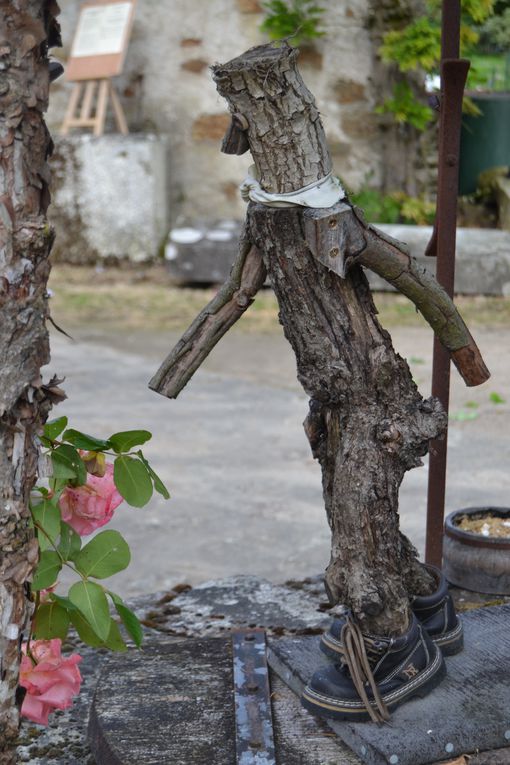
(367, 423)
(28, 28)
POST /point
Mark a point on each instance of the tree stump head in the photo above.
(284, 130)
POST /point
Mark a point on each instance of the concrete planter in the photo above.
(473, 561)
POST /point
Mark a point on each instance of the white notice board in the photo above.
(100, 42)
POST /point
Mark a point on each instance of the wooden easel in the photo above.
(88, 106)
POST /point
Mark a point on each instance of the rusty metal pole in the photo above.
(453, 79)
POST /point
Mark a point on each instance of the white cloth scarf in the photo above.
(325, 192)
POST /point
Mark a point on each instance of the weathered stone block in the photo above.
(210, 127)
(348, 91)
(310, 56)
(249, 6)
(194, 65)
(190, 42)
(204, 252)
(109, 197)
(359, 123)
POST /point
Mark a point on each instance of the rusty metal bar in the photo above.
(254, 722)
(453, 79)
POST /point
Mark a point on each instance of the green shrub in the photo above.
(295, 20)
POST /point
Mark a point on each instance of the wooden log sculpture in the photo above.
(367, 423)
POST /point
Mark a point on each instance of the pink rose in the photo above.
(51, 682)
(86, 508)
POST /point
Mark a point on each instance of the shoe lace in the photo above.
(355, 656)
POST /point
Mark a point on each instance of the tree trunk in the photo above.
(368, 423)
(27, 28)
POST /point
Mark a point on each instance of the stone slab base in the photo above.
(203, 253)
(468, 712)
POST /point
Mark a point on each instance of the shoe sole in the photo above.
(451, 643)
(341, 709)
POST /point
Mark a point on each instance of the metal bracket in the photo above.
(254, 722)
(326, 236)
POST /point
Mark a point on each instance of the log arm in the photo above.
(247, 276)
(339, 237)
(391, 260)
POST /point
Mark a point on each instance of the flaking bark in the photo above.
(27, 28)
(367, 423)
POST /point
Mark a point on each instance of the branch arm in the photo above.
(390, 259)
(247, 276)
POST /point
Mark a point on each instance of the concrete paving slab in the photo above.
(246, 493)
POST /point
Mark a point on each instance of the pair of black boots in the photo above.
(372, 675)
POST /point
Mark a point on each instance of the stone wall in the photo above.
(167, 89)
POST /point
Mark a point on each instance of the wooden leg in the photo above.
(120, 117)
(88, 99)
(102, 101)
(71, 108)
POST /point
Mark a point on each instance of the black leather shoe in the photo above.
(436, 613)
(377, 674)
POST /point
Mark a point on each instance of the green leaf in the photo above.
(84, 630)
(70, 542)
(68, 464)
(129, 619)
(106, 554)
(84, 441)
(51, 621)
(90, 600)
(47, 571)
(46, 515)
(115, 641)
(158, 483)
(54, 428)
(64, 602)
(463, 415)
(495, 398)
(125, 440)
(133, 480)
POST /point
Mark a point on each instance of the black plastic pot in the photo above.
(473, 561)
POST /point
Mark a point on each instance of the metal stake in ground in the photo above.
(453, 79)
(367, 423)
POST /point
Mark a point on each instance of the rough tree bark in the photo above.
(367, 423)
(27, 27)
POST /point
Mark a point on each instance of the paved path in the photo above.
(246, 494)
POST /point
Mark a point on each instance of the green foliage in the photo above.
(47, 571)
(90, 600)
(54, 428)
(396, 207)
(417, 210)
(46, 518)
(495, 33)
(124, 441)
(417, 49)
(83, 441)
(418, 46)
(86, 607)
(406, 108)
(295, 20)
(67, 464)
(382, 208)
(495, 398)
(133, 480)
(52, 621)
(105, 555)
